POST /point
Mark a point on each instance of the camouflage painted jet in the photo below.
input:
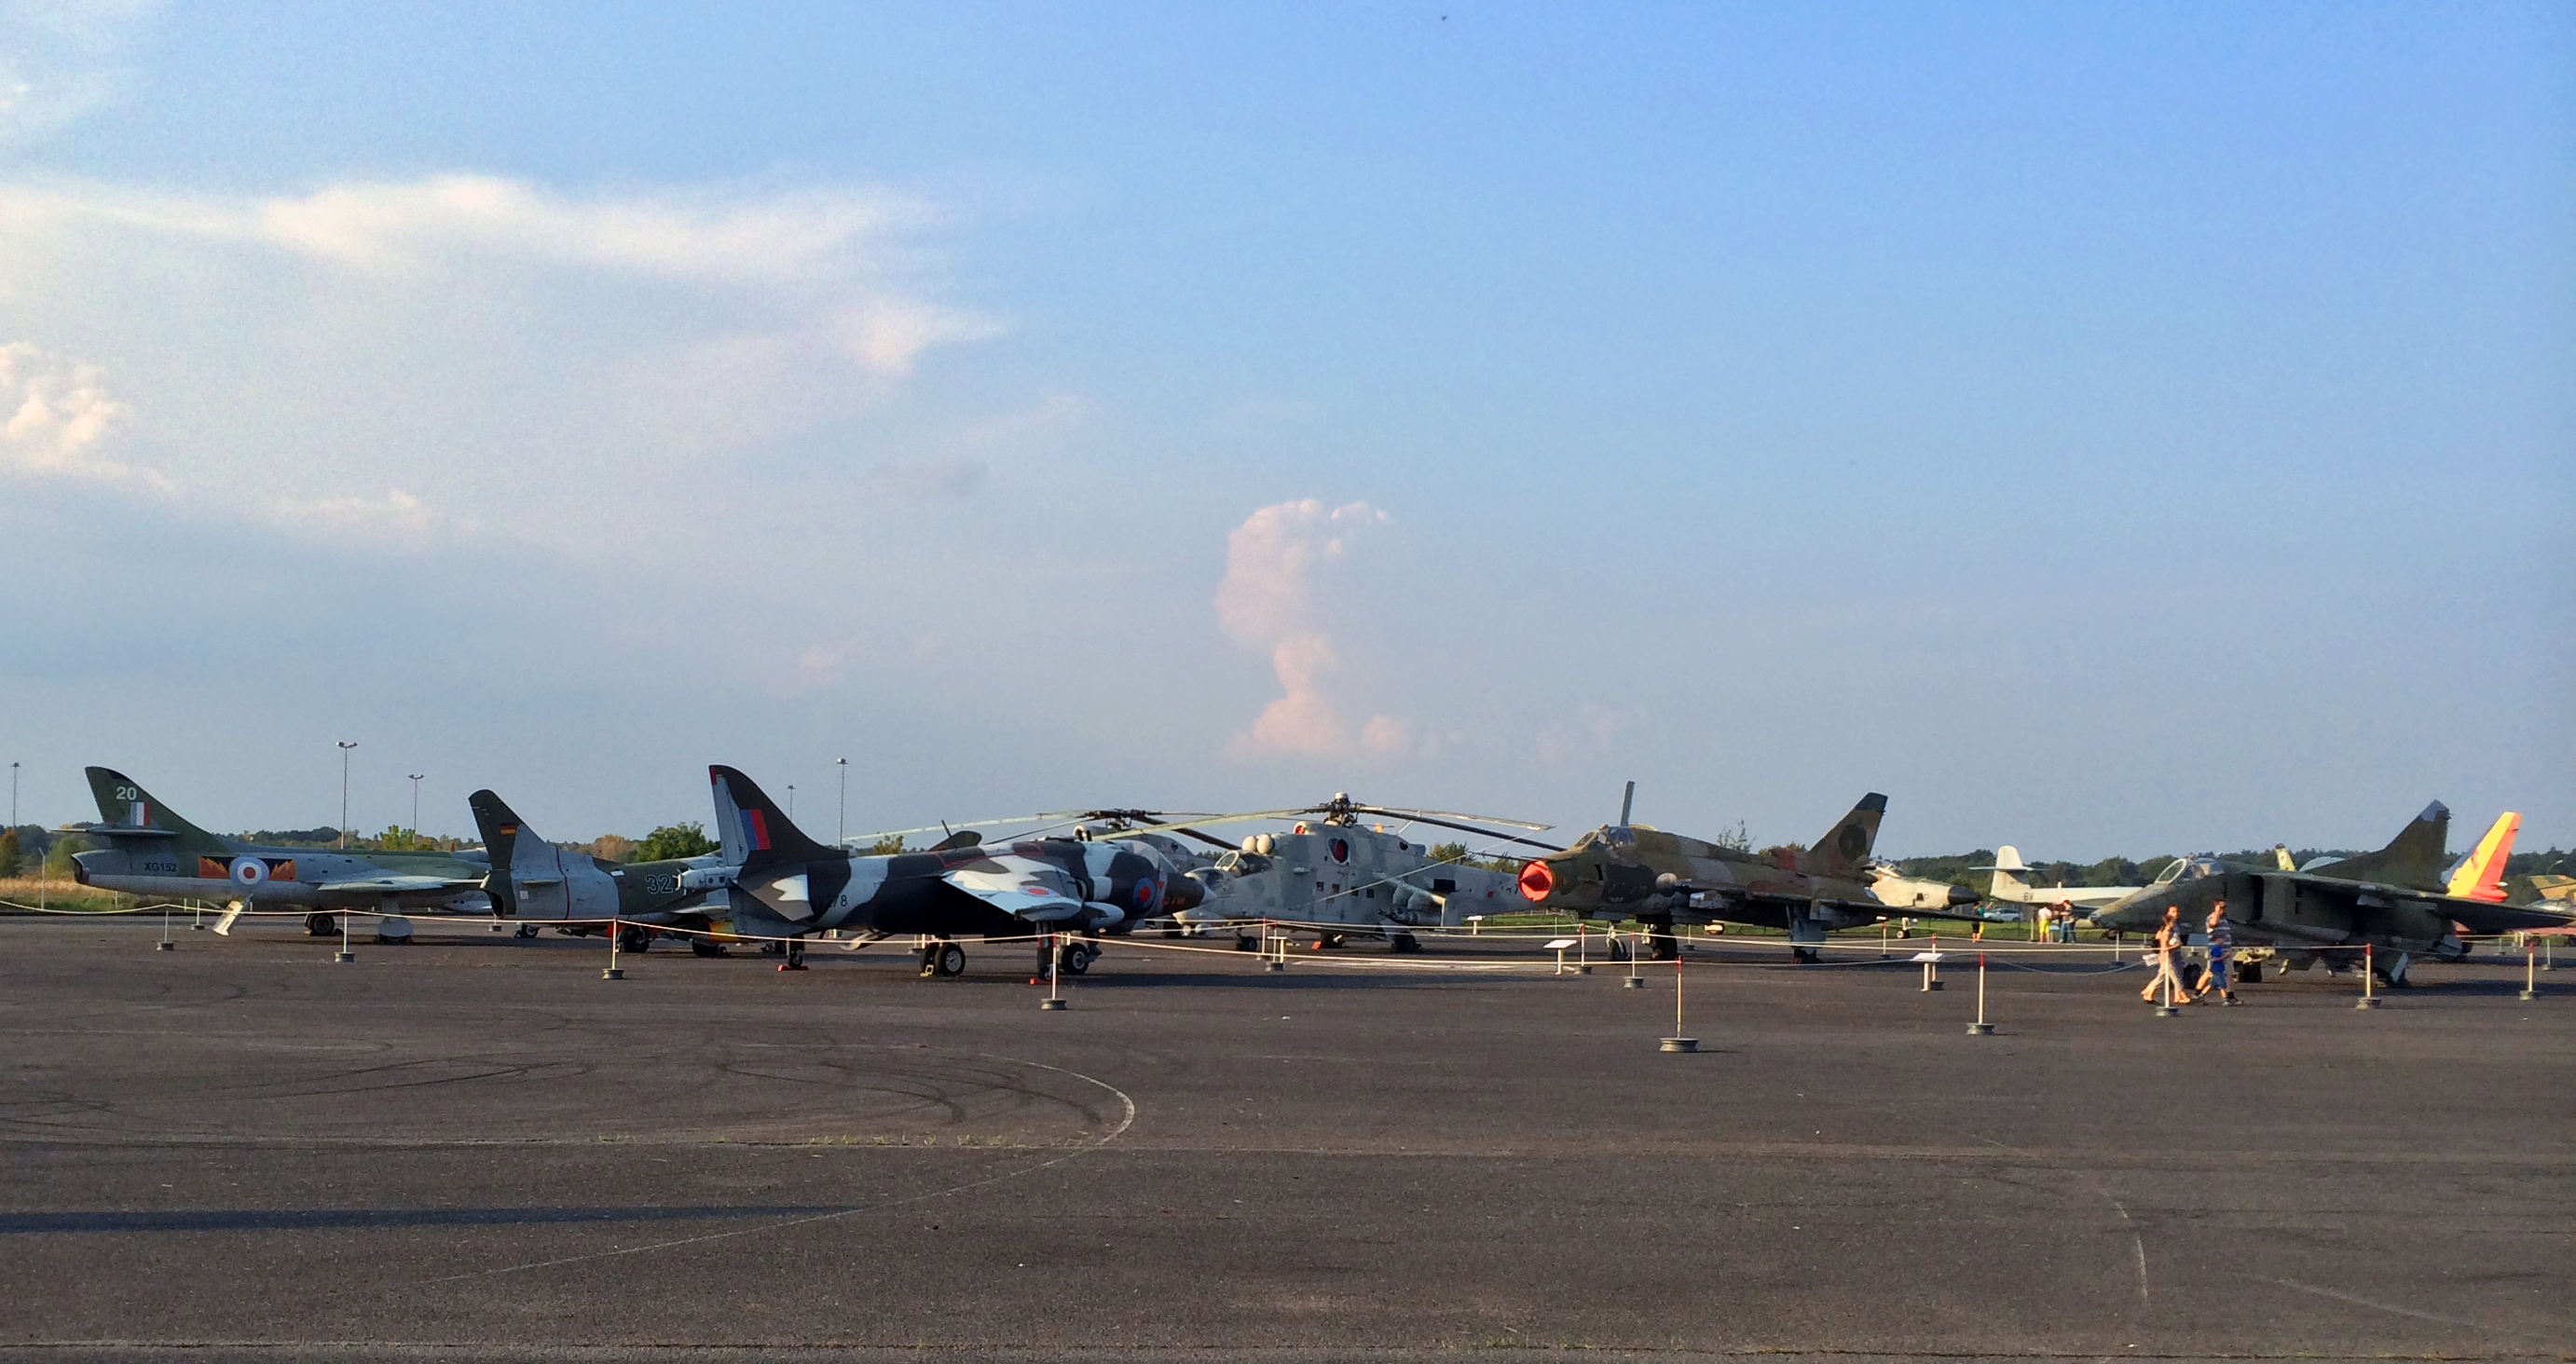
(2398, 901)
(536, 882)
(785, 886)
(1626, 870)
(152, 851)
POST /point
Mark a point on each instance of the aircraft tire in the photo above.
(948, 959)
(1078, 958)
(320, 926)
(524, 931)
(700, 947)
(635, 940)
(1402, 943)
(1244, 944)
(1329, 940)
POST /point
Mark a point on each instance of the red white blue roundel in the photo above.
(249, 871)
(1145, 892)
(1341, 850)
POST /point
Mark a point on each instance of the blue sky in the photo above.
(2105, 429)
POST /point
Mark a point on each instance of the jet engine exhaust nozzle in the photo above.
(1537, 879)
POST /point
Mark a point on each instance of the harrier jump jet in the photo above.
(784, 885)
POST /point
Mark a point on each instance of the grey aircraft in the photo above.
(1334, 877)
(2395, 901)
(151, 851)
(535, 882)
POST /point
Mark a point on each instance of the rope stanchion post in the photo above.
(1274, 947)
(1677, 1042)
(2369, 998)
(1054, 1002)
(614, 971)
(198, 923)
(1931, 959)
(1635, 954)
(1981, 1028)
(346, 956)
(165, 945)
(2530, 970)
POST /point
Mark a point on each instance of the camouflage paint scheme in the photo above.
(534, 881)
(151, 851)
(2396, 901)
(783, 885)
(1337, 877)
(1660, 879)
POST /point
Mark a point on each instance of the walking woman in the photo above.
(2168, 952)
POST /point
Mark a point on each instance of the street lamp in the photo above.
(13, 795)
(415, 802)
(791, 802)
(345, 746)
(844, 765)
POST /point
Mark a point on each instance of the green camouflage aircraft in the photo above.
(536, 882)
(151, 851)
(2396, 901)
(1626, 870)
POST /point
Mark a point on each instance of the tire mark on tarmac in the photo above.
(1127, 1120)
(2377, 1306)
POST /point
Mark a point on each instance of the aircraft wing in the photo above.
(396, 885)
(2483, 917)
(1021, 886)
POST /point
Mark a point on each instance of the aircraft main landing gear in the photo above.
(795, 955)
(700, 947)
(524, 931)
(943, 959)
(321, 926)
(1076, 958)
(1807, 956)
(1402, 943)
(635, 940)
(1659, 938)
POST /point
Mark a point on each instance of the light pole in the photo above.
(791, 802)
(345, 746)
(843, 763)
(415, 803)
(13, 795)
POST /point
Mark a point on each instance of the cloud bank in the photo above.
(1274, 562)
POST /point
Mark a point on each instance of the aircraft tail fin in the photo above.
(2480, 875)
(124, 806)
(2415, 858)
(1844, 850)
(753, 828)
(2006, 883)
(515, 849)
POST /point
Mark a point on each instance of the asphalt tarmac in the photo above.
(474, 1147)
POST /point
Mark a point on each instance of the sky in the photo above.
(2112, 430)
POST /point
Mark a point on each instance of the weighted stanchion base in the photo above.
(1931, 985)
(2167, 1011)
(165, 946)
(1981, 1030)
(1680, 1044)
(1583, 970)
(612, 973)
(1634, 983)
(1051, 1005)
(1276, 966)
(2527, 996)
(2366, 1002)
(344, 958)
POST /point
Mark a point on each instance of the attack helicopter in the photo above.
(1341, 872)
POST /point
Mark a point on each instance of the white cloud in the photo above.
(500, 351)
(57, 414)
(1267, 601)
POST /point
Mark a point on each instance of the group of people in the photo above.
(2057, 922)
(2167, 951)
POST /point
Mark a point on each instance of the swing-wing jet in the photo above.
(1659, 879)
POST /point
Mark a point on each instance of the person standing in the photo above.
(2222, 941)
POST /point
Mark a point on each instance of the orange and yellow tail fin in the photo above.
(2481, 873)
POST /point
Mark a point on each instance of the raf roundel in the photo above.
(249, 871)
(1145, 894)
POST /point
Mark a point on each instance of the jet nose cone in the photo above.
(1183, 893)
(1961, 895)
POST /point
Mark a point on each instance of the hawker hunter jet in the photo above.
(2397, 901)
(536, 882)
(784, 885)
(152, 851)
(1634, 871)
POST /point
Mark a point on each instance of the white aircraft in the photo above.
(2008, 887)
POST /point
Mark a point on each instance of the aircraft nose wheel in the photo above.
(635, 940)
(524, 931)
(945, 959)
(1076, 958)
(320, 926)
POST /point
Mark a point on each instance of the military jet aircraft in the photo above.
(535, 882)
(2008, 887)
(2397, 901)
(1627, 870)
(1333, 877)
(152, 851)
(782, 885)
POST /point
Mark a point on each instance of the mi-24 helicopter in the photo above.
(1344, 869)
